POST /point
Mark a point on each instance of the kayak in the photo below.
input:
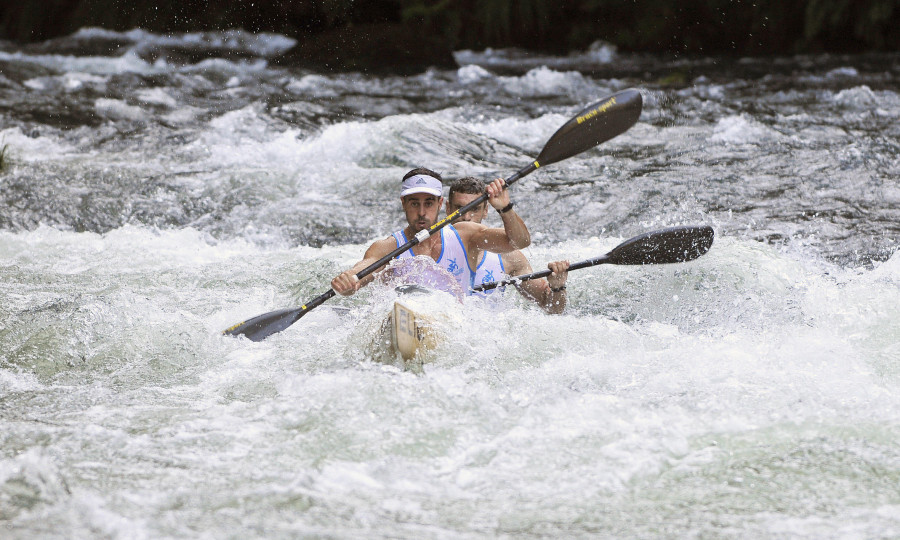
(420, 274)
(411, 333)
(420, 292)
(410, 330)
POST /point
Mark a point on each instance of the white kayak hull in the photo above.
(412, 333)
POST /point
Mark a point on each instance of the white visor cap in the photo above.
(422, 183)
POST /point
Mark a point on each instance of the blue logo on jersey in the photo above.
(454, 268)
(488, 277)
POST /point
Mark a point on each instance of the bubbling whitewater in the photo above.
(151, 200)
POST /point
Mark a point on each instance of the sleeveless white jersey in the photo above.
(452, 259)
(490, 269)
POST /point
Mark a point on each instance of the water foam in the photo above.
(742, 129)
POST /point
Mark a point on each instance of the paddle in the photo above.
(672, 245)
(595, 124)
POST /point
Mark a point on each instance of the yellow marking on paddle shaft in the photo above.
(447, 219)
(536, 165)
(599, 110)
(232, 327)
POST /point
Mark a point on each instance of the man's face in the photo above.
(458, 200)
(421, 210)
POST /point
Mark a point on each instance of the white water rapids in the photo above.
(148, 205)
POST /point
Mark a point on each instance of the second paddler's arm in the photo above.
(548, 293)
(346, 283)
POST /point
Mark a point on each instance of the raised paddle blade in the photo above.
(672, 245)
(595, 124)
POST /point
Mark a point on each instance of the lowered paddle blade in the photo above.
(262, 326)
(595, 124)
(672, 245)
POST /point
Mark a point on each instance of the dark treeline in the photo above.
(759, 27)
(740, 27)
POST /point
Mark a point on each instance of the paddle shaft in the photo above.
(540, 274)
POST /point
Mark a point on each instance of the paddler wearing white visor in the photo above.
(458, 245)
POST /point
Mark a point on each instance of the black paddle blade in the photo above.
(262, 326)
(597, 123)
(672, 245)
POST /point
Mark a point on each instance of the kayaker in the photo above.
(549, 293)
(455, 247)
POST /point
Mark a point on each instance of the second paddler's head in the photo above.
(421, 195)
(464, 191)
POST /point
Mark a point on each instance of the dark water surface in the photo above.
(799, 150)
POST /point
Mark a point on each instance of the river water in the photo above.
(158, 189)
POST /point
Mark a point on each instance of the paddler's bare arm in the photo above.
(346, 283)
(514, 234)
(548, 293)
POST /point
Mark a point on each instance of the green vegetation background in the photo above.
(759, 27)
